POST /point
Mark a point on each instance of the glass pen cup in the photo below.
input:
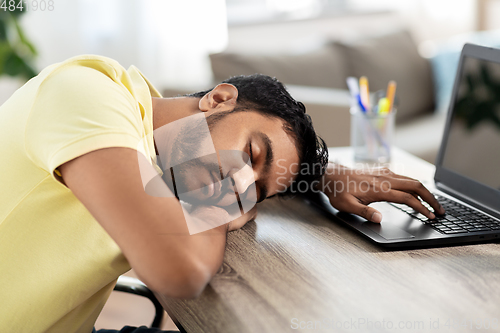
(372, 135)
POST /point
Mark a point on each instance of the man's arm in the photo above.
(351, 190)
(151, 231)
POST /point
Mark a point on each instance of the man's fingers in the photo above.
(413, 186)
(408, 199)
(355, 207)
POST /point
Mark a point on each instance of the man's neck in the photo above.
(167, 110)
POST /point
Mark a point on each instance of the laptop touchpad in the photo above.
(387, 231)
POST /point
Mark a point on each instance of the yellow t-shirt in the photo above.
(57, 264)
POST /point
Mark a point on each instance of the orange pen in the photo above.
(391, 93)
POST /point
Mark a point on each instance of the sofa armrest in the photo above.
(329, 110)
(422, 136)
(320, 95)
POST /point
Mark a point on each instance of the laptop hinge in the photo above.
(466, 199)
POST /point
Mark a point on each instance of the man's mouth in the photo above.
(214, 188)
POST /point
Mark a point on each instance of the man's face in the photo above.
(254, 155)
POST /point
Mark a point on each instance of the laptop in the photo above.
(467, 177)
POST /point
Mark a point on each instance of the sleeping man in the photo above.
(100, 174)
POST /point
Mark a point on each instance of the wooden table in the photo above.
(295, 269)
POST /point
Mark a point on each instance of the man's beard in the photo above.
(187, 157)
(187, 144)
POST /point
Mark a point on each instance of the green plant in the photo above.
(16, 51)
(480, 99)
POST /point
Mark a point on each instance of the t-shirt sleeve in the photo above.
(78, 110)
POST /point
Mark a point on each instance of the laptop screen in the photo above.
(473, 145)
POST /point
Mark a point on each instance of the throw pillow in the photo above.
(393, 56)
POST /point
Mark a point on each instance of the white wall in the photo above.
(167, 39)
(426, 19)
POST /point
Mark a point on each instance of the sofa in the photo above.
(317, 77)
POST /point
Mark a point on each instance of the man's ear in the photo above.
(222, 98)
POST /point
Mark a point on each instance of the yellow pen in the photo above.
(383, 105)
(391, 93)
(364, 92)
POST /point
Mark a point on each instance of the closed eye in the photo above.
(250, 152)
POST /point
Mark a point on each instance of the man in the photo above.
(79, 204)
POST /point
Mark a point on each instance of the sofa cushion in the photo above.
(445, 61)
(393, 57)
(323, 67)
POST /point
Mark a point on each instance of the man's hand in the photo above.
(351, 190)
(243, 219)
(213, 216)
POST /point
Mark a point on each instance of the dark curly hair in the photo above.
(268, 96)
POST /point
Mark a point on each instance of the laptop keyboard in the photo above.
(458, 218)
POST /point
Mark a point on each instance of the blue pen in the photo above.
(352, 84)
(360, 103)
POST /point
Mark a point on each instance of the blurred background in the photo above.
(170, 40)
(311, 45)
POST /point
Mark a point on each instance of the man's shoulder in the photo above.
(93, 61)
(79, 69)
(87, 77)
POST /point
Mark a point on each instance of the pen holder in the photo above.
(371, 135)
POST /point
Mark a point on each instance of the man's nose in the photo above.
(243, 179)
